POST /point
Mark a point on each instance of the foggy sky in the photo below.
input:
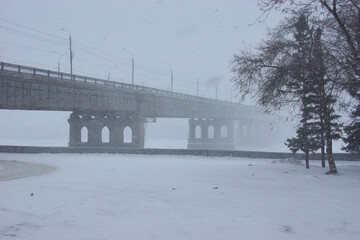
(196, 38)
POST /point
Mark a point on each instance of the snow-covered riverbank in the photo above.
(105, 196)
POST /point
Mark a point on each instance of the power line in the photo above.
(89, 50)
(26, 47)
(56, 40)
(32, 29)
(30, 35)
(25, 61)
(99, 56)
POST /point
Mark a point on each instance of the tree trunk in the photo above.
(307, 159)
(322, 143)
(330, 157)
(323, 156)
(329, 153)
(306, 127)
(322, 122)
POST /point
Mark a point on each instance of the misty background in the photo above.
(195, 39)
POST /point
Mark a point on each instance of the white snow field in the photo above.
(107, 196)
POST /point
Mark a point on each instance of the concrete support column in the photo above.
(192, 131)
(230, 131)
(204, 129)
(116, 134)
(258, 133)
(138, 133)
(116, 122)
(205, 142)
(217, 131)
(243, 136)
(75, 129)
(94, 125)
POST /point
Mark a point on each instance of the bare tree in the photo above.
(281, 72)
(341, 32)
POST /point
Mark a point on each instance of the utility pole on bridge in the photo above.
(172, 80)
(171, 77)
(132, 65)
(197, 87)
(71, 53)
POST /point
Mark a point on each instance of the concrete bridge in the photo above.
(99, 105)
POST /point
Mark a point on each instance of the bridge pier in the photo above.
(106, 129)
(252, 132)
(214, 134)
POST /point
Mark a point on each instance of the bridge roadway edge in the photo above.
(156, 151)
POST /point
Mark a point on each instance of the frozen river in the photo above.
(107, 196)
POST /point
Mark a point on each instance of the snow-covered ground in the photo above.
(106, 196)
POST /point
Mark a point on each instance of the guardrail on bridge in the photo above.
(101, 82)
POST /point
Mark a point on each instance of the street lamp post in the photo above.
(132, 65)
(197, 87)
(59, 62)
(216, 91)
(113, 67)
(132, 70)
(172, 80)
(171, 77)
(71, 53)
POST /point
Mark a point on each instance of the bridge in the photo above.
(97, 104)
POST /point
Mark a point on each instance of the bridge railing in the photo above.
(96, 81)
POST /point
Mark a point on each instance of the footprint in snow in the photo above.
(287, 229)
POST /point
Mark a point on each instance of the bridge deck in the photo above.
(29, 88)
